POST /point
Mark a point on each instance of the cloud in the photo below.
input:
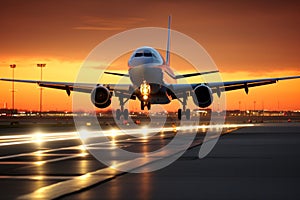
(97, 28)
(93, 23)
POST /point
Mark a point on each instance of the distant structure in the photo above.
(13, 66)
(41, 89)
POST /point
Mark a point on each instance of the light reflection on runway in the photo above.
(40, 138)
(40, 152)
(42, 156)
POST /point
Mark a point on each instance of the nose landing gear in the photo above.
(145, 92)
(145, 104)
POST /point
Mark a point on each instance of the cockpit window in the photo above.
(138, 55)
(147, 54)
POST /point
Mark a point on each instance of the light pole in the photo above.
(254, 103)
(41, 89)
(13, 66)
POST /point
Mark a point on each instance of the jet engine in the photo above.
(101, 97)
(203, 96)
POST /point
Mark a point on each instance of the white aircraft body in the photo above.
(154, 82)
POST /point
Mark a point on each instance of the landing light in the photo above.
(39, 178)
(113, 133)
(39, 163)
(113, 165)
(81, 147)
(39, 153)
(38, 138)
(83, 152)
(84, 134)
(85, 176)
(145, 90)
(144, 131)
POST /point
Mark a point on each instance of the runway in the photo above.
(251, 162)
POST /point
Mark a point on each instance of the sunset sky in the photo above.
(246, 39)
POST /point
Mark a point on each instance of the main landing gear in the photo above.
(145, 104)
(184, 111)
(120, 112)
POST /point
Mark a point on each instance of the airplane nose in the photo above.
(140, 61)
(149, 74)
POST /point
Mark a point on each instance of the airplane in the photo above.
(154, 82)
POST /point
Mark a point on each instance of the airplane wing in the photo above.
(125, 90)
(194, 74)
(117, 74)
(78, 87)
(67, 86)
(245, 84)
(230, 85)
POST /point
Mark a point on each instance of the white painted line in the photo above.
(37, 177)
(72, 185)
(76, 184)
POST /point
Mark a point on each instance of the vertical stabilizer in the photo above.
(168, 42)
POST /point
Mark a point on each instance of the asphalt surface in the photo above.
(257, 162)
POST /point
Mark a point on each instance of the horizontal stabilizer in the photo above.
(195, 74)
(117, 74)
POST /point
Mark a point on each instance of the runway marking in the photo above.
(80, 182)
(36, 177)
(72, 185)
(41, 137)
(37, 137)
(16, 163)
(76, 184)
(43, 153)
(89, 179)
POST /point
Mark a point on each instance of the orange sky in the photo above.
(247, 40)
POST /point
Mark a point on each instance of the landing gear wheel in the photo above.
(118, 114)
(145, 104)
(142, 106)
(188, 114)
(149, 105)
(179, 114)
(125, 114)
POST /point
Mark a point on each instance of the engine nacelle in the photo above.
(203, 96)
(101, 97)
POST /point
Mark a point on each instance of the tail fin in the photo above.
(168, 42)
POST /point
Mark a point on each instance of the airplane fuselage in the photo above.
(146, 65)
